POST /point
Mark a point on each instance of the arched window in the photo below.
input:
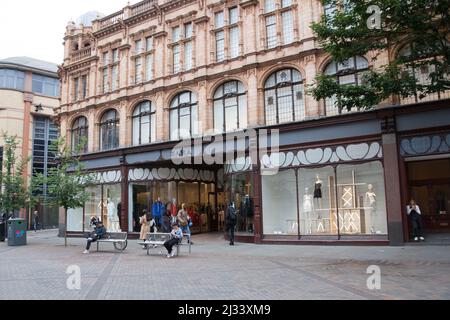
(422, 73)
(230, 107)
(349, 72)
(79, 133)
(183, 116)
(144, 126)
(284, 97)
(109, 130)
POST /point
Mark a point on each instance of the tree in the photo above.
(64, 184)
(355, 28)
(13, 192)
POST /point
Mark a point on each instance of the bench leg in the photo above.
(178, 250)
(97, 246)
(189, 247)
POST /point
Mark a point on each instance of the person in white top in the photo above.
(415, 214)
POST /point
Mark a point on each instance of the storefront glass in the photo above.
(355, 194)
(75, 220)
(93, 207)
(280, 203)
(361, 198)
(111, 207)
(317, 201)
(239, 188)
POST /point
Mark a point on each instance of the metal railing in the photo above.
(141, 7)
(111, 19)
(81, 54)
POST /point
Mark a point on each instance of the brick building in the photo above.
(139, 81)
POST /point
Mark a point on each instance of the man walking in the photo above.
(231, 219)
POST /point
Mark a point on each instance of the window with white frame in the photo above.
(271, 31)
(220, 46)
(110, 70)
(230, 107)
(288, 27)
(12, 79)
(176, 58)
(83, 87)
(76, 85)
(284, 97)
(149, 67)
(115, 77)
(109, 130)
(138, 70)
(279, 11)
(227, 27)
(105, 80)
(188, 46)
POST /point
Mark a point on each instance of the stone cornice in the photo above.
(248, 3)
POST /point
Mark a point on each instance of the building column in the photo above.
(124, 195)
(257, 190)
(392, 182)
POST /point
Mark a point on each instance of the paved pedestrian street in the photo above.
(215, 270)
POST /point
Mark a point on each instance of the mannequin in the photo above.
(318, 191)
(113, 221)
(173, 210)
(370, 201)
(308, 207)
(102, 205)
(158, 211)
(247, 208)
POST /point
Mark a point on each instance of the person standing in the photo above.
(166, 222)
(35, 220)
(230, 222)
(415, 215)
(145, 228)
(183, 219)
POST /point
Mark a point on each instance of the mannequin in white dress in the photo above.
(113, 219)
(370, 202)
(308, 207)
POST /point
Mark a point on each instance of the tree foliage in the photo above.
(64, 183)
(357, 28)
(13, 192)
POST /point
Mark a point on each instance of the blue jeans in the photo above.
(187, 231)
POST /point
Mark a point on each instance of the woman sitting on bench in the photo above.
(177, 236)
(98, 233)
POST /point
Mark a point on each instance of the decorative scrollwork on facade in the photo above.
(114, 176)
(240, 164)
(158, 174)
(322, 156)
(425, 145)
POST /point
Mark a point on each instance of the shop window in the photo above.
(230, 107)
(361, 199)
(239, 189)
(284, 97)
(93, 206)
(109, 130)
(280, 203)
(75, 220)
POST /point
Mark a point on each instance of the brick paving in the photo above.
(215, 270)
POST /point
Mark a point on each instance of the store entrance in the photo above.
(429, 185)
(198, 197)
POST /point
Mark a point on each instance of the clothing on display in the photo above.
(318, 190)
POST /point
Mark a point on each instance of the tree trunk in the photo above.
(65, 227)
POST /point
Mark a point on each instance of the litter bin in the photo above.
(17, 232)
(2, 231)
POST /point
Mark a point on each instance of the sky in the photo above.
(35, 28)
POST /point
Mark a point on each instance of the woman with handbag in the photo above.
(145, 228)
(183, 220)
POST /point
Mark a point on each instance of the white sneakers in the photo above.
(171, 255)
(422, 238)
(416, 239)
(86, 252)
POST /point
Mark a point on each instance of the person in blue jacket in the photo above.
(158, 209)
